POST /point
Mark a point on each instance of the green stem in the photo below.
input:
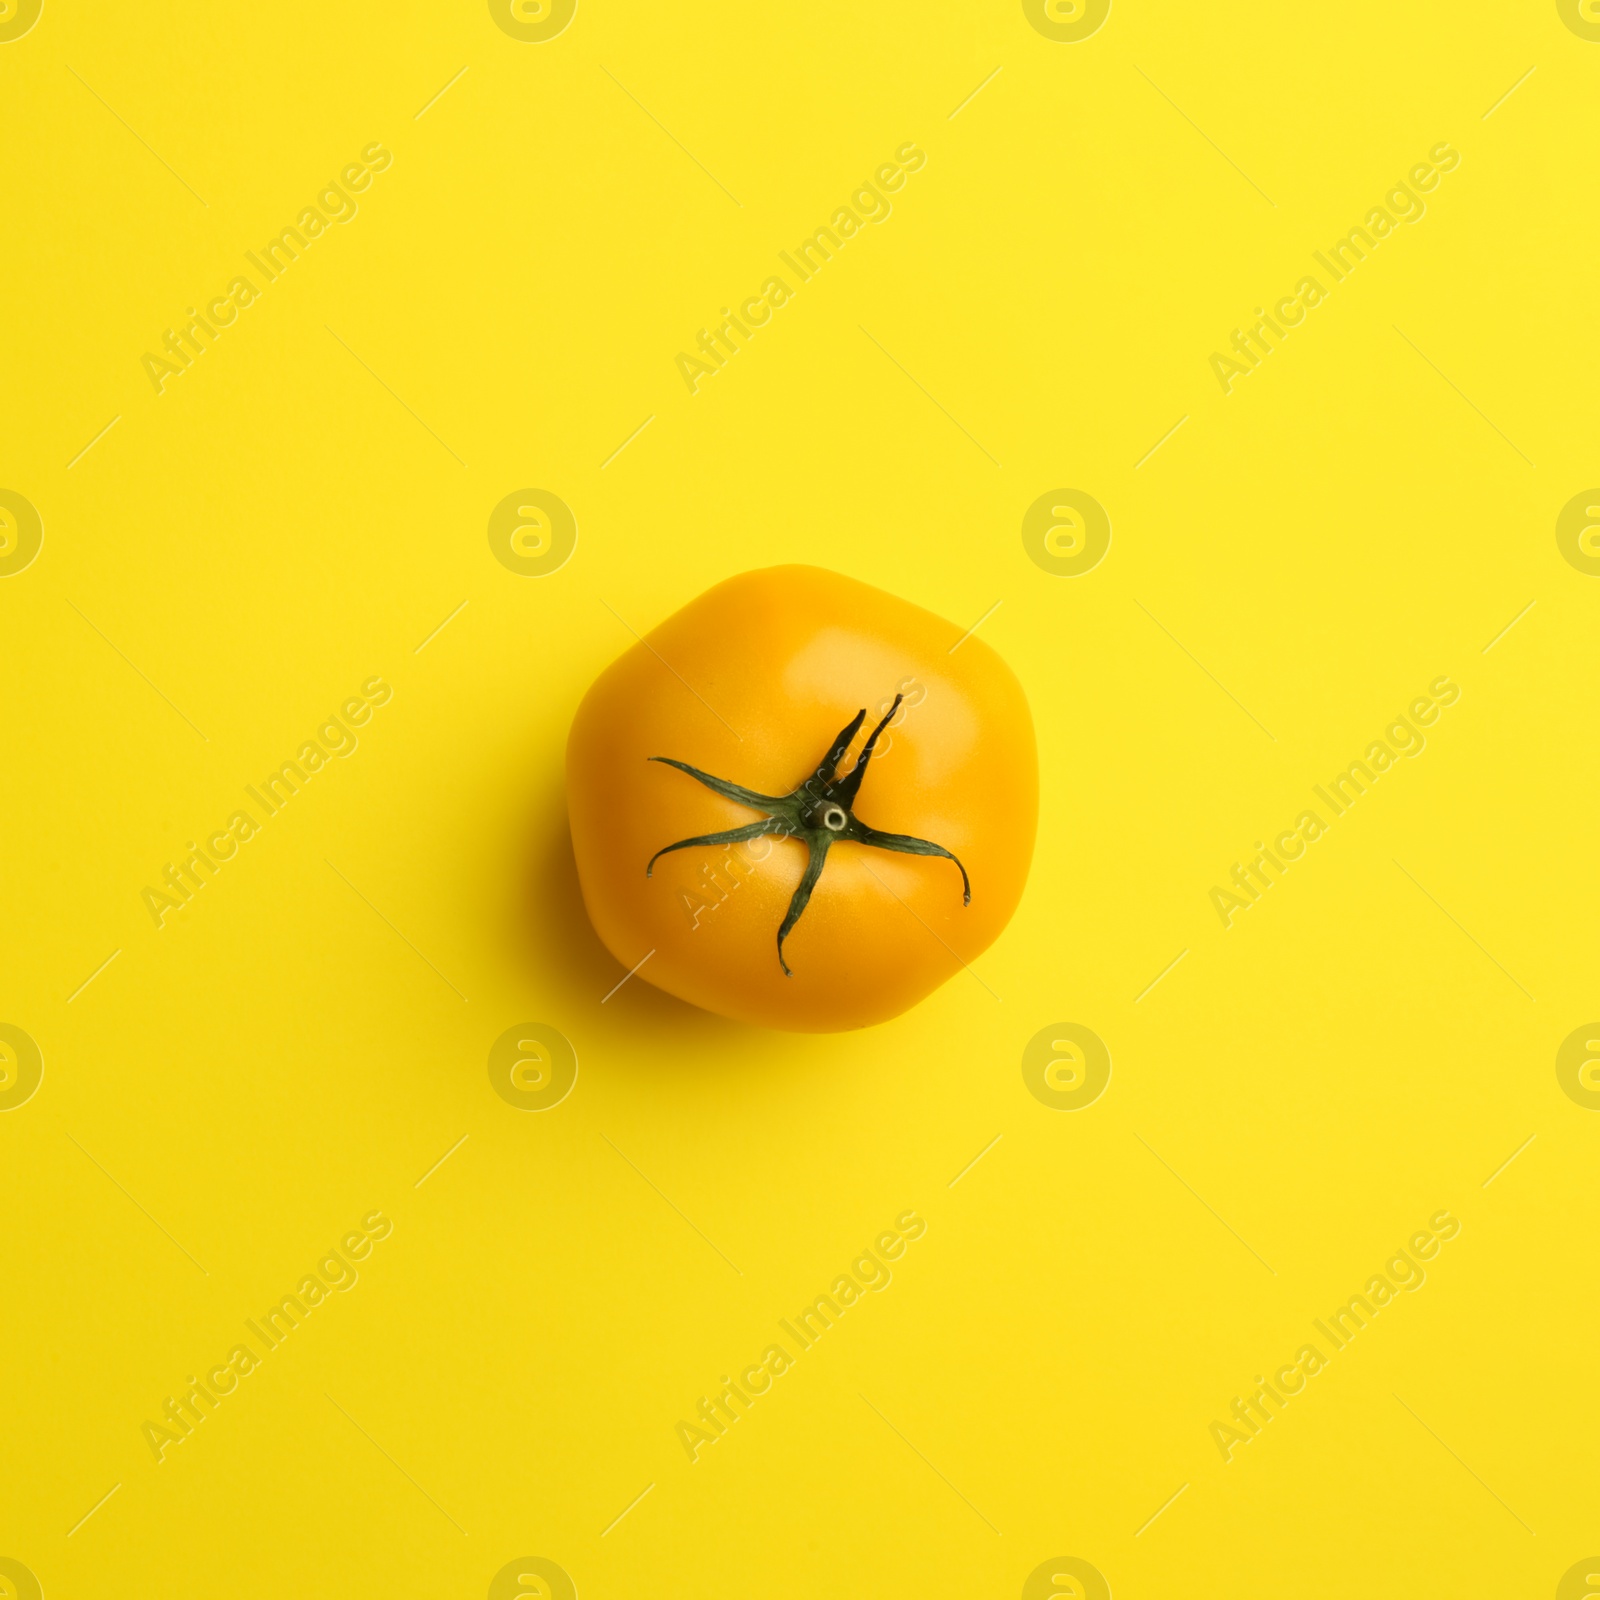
(819, 812)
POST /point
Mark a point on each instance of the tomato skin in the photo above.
(751, 682)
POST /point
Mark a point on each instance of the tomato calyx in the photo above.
(820, 812)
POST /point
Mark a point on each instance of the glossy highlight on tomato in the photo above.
(781, 798)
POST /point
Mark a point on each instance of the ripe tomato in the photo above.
(741, 829)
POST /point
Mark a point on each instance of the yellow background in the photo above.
(300, 1045)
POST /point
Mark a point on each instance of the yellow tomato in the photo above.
(740, 828)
